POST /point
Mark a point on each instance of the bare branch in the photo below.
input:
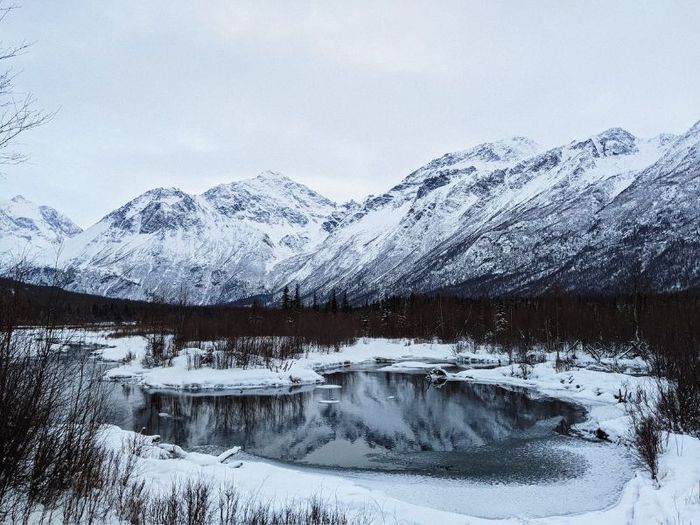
(4, 10)
(18, 112)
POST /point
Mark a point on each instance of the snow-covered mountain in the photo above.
(219, 246)
(649, 235)
(29, 231)
(606, 213)
(500, 218)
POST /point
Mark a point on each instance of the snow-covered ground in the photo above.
(674, 499)
(305, 370)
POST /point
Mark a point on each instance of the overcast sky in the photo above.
(347, 97)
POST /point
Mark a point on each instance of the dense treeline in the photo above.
(666, 320)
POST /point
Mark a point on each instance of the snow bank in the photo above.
(119, 349)
(302, 371)
(676, 499)
(180, 377)
(642, 501)
(267, 482)
(597, 391)
(403, 366)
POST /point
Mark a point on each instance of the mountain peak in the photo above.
(269, 198)
(155, 210)
(518, 142)
(616, 133)
(609, 143)
(161, 193)
(26, 225)
(503, 150)
(487, 156)
(267, 185)
(269, 175)
(617, 141)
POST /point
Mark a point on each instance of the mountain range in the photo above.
(610, 213)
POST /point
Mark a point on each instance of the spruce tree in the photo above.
(297, 298)
(285, 298)
(345, 304)
(333, 302)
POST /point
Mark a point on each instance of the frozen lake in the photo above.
(370, 420)
(445, 446)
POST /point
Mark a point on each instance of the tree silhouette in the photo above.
(332, 305)
(297, 298)
(285, 298)
(345, 305)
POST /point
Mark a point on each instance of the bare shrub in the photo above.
(251, 352)
(188, 504)
(678, 384)
(646, 430)
(160, 348)
(194, 503)
(648, 443)
(52, 408)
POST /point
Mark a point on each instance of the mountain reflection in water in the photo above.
(375, 420)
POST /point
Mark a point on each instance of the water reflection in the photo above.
(375, 420)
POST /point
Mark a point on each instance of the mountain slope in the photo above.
(406, 222)
(28, 230)
(648, 237)
(481, 224)
(546, 225)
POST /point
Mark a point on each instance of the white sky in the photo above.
(347, 97)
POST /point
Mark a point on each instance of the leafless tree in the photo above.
(18, 111)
